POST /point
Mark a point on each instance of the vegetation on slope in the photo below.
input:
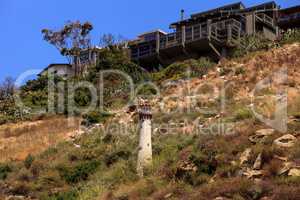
(102, 165)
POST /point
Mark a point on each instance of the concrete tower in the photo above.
(145, 145)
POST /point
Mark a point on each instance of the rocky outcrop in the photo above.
(260, 135)
(245, 157)
(286, 141)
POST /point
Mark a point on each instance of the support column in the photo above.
(145, 144)
(183, 36)
(157, 42)
(209, 22)
(229, 33)
(250, 23)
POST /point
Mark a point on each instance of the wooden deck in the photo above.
(222, 33)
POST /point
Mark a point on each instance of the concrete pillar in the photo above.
(145, 144)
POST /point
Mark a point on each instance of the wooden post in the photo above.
(229, 33)
(183, 36)
(193, 33)
(209, 28)
(157, 42)
(145, 145)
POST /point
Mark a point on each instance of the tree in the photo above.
(108, 40)
(7, 88)
(71, 39)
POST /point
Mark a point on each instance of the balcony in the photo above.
(288, 18)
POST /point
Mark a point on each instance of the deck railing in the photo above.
(288, 18)
(265, 18)
(222, 32)
(226, 31)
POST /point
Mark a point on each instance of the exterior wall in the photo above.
(65, 71)
(269, 34)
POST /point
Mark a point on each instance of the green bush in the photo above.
(97, 117)
(4, 170)
(185, 69)
(71, 195)
(117, 59)
(78, 173)
(291, 36)
(242, 114)
(250, 44)
(28, 161)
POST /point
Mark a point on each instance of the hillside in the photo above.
(207, 142)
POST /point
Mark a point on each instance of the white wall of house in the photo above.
(64, 71)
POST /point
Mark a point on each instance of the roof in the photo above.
(267, 5)
(153, 31)
(238, 7)
(290, 9)
(234, 6)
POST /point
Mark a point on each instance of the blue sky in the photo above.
(23, 48)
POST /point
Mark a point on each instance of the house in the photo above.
(86, 58)
(210, 33)
(59, 69)
(78, 66)
(289, 18)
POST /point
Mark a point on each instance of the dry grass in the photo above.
(19, 140)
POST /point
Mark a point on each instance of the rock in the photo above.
(287, 166)
(221, 198)
(266, 198)
(261, 134)
(294, 172)
(265, 132)
(286, 141)
(245, 156)
(167, 196)
(258, 162)
(285, 159)
(253, 173)
(15, 198)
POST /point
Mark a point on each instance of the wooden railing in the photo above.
(288, 18)
(226, 31)
(265, 18)
(222, 32)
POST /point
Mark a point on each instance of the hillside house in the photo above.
(86, 58)
(60, 69)
(211, 33)
(78, 66)
(289, 18)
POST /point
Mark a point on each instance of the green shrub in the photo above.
(250, 44)
(3, 119)
(78, 173)
(147, 90)
(4, 170)
(110, 159)
(185, 69)
(71, 195)
(28, 161)
(242, 114)
(239, 70)
(291, 36)
(97, 117)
